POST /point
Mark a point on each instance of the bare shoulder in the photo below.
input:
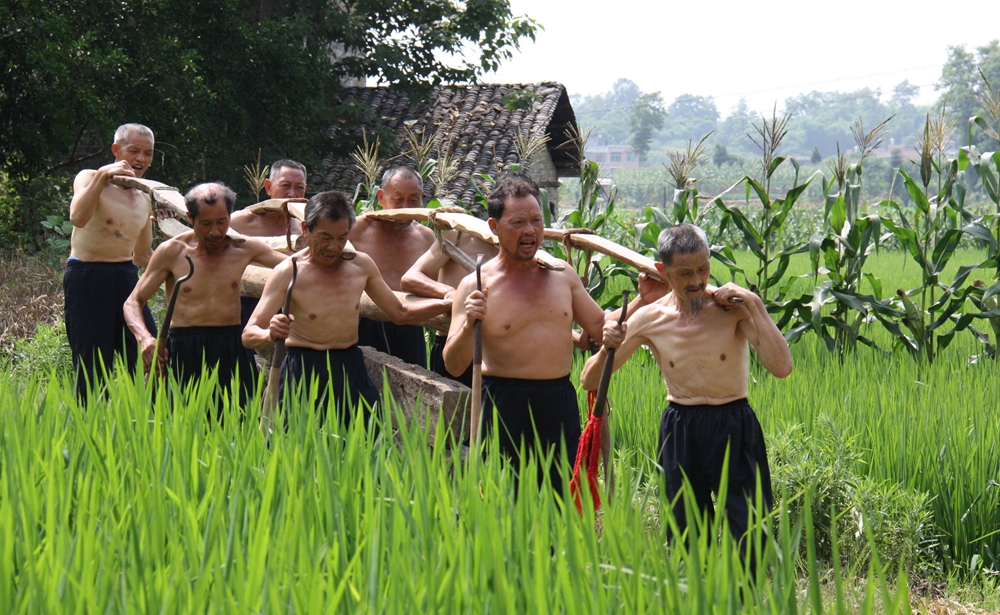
(83, 178)
(365, 263)
(424, 232)
(361, 223)
(178, 244)
(251, 246)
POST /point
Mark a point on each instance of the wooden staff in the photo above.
(477, 364)
(161, 339)
(274, 374)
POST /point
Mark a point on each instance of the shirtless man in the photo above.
(111, 229)
(527, 332)
(287, 181)
(436, 275)
(321, 332)
(700, 338)
(205, 329)
(394, 246)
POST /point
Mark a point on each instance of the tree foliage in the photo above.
(690, 116)
(646, 117)
(217, 80)
(961, 82)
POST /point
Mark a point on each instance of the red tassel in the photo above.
(589, 452)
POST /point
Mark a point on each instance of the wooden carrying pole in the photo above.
(274, 374)
(477, 364)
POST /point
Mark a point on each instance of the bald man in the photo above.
(205, 331)
(394, 246)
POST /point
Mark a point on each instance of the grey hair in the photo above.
(680, 239)
(400, 171)
(285, 163)
(127, 130)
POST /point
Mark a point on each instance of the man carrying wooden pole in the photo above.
(700, 337)
(394, 246)
(527, 330)
(437, 274)
(205, 330)
(112, 232)
(321, 332)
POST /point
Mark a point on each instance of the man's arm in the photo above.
(759, 329)
(157, 270)
(590, 377)
(264, 255)
(265, 324)
(397, 311)
(586, 312)
(87, 189)
(421, 279)
(468, 306)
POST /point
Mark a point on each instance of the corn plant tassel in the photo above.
(589, 449)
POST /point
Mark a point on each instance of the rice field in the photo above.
(884, 470)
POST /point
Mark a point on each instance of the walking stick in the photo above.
(477, 364)
(274, 374)
(161, 339)
(589, 448)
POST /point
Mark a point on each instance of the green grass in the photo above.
(136, 505)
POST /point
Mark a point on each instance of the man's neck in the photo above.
(506, 262)
(392, 226)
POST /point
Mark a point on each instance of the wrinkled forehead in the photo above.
(290, 175)
(403, 185)
(689, 260)
(522, 206)
(334, 228)
(137, 140)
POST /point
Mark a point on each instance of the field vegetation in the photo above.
(883, 440)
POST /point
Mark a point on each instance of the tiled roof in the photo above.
(473, 118)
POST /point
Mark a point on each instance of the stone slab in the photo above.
(424, 397)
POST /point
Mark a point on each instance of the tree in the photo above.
(218, 79)
(961, 81)
(734, 129)
(721, 155)
(691, 115)
(816, 157)
(646, 117)
(607, 113)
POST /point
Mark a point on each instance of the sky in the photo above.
(761, 50)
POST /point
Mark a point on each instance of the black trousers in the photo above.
(341, 373)
(693, 441)
(405, 342)
(437, 362)
(95, 324)
(527, 409)
(192, 349)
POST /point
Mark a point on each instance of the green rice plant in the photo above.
(136, 504)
